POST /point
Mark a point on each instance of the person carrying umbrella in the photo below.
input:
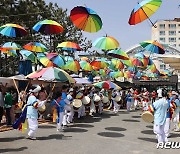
(32, 110)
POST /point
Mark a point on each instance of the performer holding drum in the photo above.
(32, 111)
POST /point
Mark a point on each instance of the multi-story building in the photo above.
(167, 31)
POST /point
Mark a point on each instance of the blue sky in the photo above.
(115, 15)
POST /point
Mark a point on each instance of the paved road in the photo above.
(105, 134)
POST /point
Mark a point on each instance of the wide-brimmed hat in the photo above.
(35, 89)
(174, 93)
(77, 103)
(86, 100)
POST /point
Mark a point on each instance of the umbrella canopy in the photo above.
(128, 62)
(29, 55)
(118, 54)
(106, 85)
(153, 47)
(117, 74)
(51, 74)
(85, 19)
(106, 43)
(72, 66)
(8, 51)
(98, 64)
(82, 81)
(116, 64)
(35, 47)
(48, 27)
(127, 74)
(143, 11)
(86, 66)
(137, 62)
(10, 48)
(139, 55)
(56, 59)
(69, 46)
(13, 30)
(85, 59)
(44, 60)
(68, 58)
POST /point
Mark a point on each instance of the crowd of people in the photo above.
(67, 102)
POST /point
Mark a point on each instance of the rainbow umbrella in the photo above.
(106, 85)
(116, 64)
(44, 60)
(69, 46)
(86, 66)
(72, 66)
(29, 55)
(48, 27)
(68, 58)
(118, 54)
(98, 64)
(8, 51)
(127, 74)
(137, 62)
(118, 74)
(58, 60)
(128, 62)
(139, 55)
(143, 11)
(102, 72)
(13, 30)
(106, 43)
(85, 19)
(35, 47)
(10, 48)
(51, 74)
(153, 47)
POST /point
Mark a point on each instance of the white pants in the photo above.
(67, 108)
(160, 133)
(116, 106)
(145, 106)
(81, 111)
(176, 121)
(129, 106)
(60, 122)
(167, 127)
(100, 105)
(92, 107)
(135, 103)
(33, 126)
(70, 115)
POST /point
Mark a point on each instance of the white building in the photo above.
(167, 31)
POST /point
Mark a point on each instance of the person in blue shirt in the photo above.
(129, 100)
(161, 107)
(32, 111)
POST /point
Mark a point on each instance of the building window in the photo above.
(162, 33)
(172, 32)
(172, 39)
(162, 26)
(162, 39)
(172, 26)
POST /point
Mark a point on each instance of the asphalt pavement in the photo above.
(109, 133)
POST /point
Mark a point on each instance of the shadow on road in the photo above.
(110, 134)
(129, 120)
(115, 129)
(46, 126)
(148, 139)
(173, 135)
(53, 136)
(136, 116)
(151, 127)
(75, 130)
(123, 112)
(82, 125)
(12, 149)
(149, 132)
(10, 139)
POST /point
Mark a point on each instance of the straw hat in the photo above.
(77, 103)
(96, 98)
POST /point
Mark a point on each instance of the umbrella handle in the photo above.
(16, 86)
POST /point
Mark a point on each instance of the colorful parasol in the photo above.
(72, 66)
(58, 60)
(48, 27)
(35, 47)
(127, 74)
(98, 64)
(118, 74)
(44, 60)
(85, 59)
(69, 46)
(116, 64)
(137, 62)
(86, 19)
(143, 11)
(106, 85)
(106, 43)
(153, 47)
(128, 62)
(13, 30)
(29, 55)
(86, 66)
(10, 48)
(118, 54)
(51, 74)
